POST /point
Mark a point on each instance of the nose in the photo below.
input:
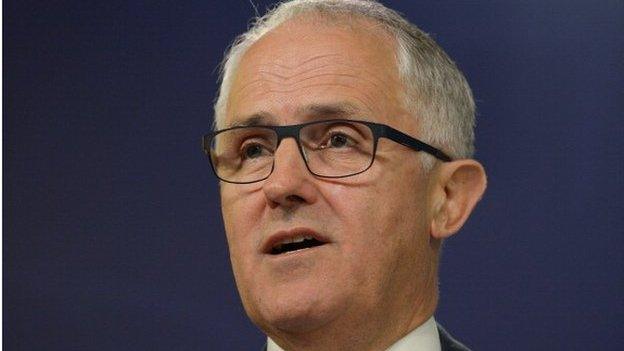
(290, 184)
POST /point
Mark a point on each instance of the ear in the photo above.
(455, 189)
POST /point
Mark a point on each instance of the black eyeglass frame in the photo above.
(292, 131)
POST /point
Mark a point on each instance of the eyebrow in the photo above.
(312, 111)
(256, 119)
(334, 110)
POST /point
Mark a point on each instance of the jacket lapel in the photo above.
(448, 343)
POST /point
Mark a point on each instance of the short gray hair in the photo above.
(436, 92)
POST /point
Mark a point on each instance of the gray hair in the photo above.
(436, 92)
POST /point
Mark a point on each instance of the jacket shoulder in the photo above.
(448, 343)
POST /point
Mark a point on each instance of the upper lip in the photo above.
(283, 235)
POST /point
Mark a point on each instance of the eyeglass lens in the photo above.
(330, 149)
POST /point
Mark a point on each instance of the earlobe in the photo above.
(457, 187)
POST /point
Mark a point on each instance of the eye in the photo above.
(338, 140)
(334, 136)
(252, 150)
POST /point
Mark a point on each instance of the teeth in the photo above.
(296, 239)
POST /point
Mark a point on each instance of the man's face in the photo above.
(377, 263)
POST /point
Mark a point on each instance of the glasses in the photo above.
(331, 149)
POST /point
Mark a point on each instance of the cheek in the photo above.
(380, 217)
(241, 212)
(365, 217)
(376, 241)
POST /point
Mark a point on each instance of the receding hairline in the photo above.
(349, 21)
(354, 22)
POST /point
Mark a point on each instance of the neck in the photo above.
(374, 331)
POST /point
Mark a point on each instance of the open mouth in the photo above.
(292, 241)
(294, 244)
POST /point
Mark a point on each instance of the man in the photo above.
(343, 145)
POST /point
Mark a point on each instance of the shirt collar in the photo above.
(423, 338)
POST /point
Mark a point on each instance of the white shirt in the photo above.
(423, 338)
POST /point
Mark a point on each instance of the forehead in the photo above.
(307, 62)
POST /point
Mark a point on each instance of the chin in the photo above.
(295, 314)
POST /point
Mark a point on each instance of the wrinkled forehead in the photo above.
(353, 32)
(351, 64)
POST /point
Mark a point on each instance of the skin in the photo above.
(377, 278)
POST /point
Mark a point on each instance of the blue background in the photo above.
(112, 231)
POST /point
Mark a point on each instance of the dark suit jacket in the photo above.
(447, 343)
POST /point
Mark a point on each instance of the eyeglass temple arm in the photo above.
(413, 143)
